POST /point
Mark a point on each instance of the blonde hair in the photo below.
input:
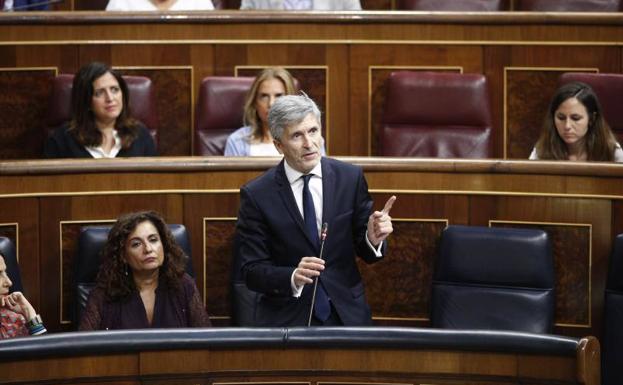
(251, 117)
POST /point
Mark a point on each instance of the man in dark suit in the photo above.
(279, 224)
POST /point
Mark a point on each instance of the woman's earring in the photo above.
(126, 269)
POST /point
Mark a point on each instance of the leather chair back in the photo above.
(433, 114)
(243, 299)
(142, 102)
(7, 249)
(612, 341)
(219, 112)
(609, 91)
(494, 279)
(454, 5)
(91, 241)
(568, 5)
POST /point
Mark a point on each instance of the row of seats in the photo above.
(448, 115)
(516, 5)
(219, 108)
(416, 121)
(453, 5)
(484, 278)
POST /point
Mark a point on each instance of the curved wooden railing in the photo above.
(300, 355)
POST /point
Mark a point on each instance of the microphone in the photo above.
(26, 7)
(323, 237)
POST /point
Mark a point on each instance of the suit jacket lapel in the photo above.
(285, 192)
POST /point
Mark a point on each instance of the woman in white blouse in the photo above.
(159, 5)
(254, 138)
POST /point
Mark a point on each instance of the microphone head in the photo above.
(323, 231)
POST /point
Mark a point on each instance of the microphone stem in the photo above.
(313, 301)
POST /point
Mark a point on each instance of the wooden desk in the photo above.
(43, 204)
(312, 356)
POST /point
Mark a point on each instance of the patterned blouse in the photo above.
(12, 324)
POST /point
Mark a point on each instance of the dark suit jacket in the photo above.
(273, 239)
(62, 145)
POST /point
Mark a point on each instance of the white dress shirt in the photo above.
(315, 188)
(98, 152)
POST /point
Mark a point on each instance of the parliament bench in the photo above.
(389, 355)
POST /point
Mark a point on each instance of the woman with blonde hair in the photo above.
(254, 138)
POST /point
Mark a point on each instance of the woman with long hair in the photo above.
(101, 125)
(141, 282)
(575, 128)
(255, 138)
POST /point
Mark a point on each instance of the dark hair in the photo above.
(599, 139)
(251, 117)
(82, 125)
(112, 276)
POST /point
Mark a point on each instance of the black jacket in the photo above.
(61, 144)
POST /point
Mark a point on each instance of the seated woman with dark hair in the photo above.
(575, 128)
(101, 124)
(17, 316)
(141, 282)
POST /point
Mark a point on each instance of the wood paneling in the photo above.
(218, 257)
(210, 219)
(578, 204)
(247, 364)
(398, 288)
(62, 217)
(24, 103)
(173, 93)
(528, 93)
(180, 52)
(109, 369)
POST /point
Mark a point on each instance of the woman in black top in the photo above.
(101, 126)
(141, 282)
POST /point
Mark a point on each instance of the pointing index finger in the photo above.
(389, 204)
